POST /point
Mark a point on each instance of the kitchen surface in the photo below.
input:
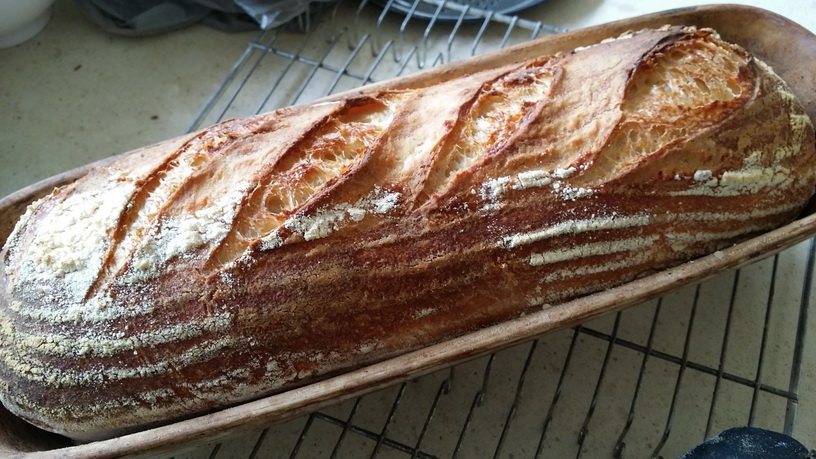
(653, 380)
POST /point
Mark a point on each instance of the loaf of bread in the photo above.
(264, 253)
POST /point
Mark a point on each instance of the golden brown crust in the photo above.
(263, 253)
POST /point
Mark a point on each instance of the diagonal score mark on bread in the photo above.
(174, 181)
(306, 169)
(678, 89)
(371, 133)
(202, 212)
(156, 189)
(492, 122)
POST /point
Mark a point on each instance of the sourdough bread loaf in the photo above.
(266, 252)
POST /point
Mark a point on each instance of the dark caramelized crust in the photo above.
(266, 252)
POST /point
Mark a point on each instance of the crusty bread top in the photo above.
(171, 257)
(247, 185)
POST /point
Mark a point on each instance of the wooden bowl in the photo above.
(789, 48)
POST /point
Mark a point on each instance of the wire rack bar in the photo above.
(582, 434)
(691, 364)
(764, 342)
(517, 399)
(684, 361)
(557, 394)
(801, 330)
(723, 352)
(650, 381)
(620, 444)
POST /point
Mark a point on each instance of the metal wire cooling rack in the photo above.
(651, 381)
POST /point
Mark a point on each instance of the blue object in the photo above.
(750, 443)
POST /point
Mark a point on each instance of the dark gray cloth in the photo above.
(148, 17)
